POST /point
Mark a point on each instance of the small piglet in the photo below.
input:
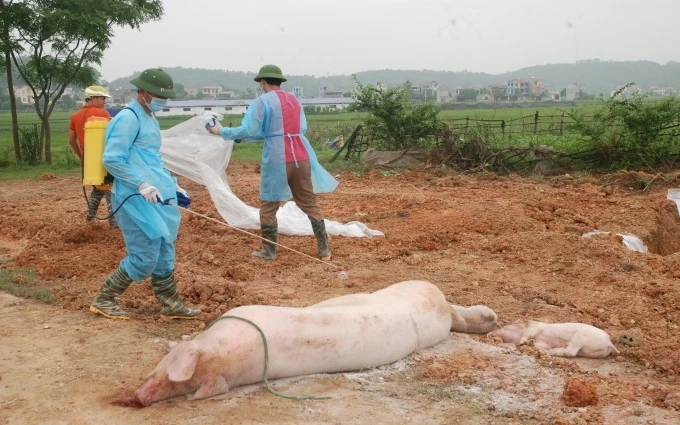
(476, 319)
(559, 339)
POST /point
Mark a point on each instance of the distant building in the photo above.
(299, 92)
(661, 91)
(485, 97)
(24, 94)
(191, 91)
(121, 96)
(536, 86)
(443, 94)
(517, 88)
(217, 92)
(239, 106)
(574, 91)
(325, 93)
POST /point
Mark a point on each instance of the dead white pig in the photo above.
(560, 339)
(476, 319)
(341, 334)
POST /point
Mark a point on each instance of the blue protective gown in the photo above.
(132, 155)
(263, 121)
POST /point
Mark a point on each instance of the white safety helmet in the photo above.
(94, 91)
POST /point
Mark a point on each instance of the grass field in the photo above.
(320, 129)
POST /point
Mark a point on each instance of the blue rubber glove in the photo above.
(183, 198)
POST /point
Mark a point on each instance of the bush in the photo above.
(633, 131)
(396, 120)
(29, 140)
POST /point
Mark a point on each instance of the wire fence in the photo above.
(534, 124)
(522, 143)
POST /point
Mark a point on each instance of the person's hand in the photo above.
(183, 198)
(215, 130)
(150, 193)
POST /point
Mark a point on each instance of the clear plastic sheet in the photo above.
(188, 150)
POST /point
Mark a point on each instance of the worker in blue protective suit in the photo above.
(289, 167)
(132, 155)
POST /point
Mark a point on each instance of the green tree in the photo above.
(8, 44)
(179, 88)
(63, 39)
(67, 103)
(498, 92)
(395, 118)
(467, 95)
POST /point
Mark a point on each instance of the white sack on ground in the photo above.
(631, 242)
(674, 195)
(188, 150)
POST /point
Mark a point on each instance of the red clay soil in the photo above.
(512, 243)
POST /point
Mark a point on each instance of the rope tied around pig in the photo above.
(266, 362)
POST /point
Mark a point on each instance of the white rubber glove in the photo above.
(150, 193)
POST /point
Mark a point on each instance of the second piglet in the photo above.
(559, 339)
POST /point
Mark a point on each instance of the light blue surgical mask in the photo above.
(157, 104)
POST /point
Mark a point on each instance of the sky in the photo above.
(342, 37)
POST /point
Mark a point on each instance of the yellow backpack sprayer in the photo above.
(94, 173)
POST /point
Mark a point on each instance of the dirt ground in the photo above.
(512, 243)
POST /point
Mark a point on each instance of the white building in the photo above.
(239, 106)
(574, 91)
(24, 94)
(443, 94)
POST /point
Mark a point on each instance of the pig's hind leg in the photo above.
(571, 350)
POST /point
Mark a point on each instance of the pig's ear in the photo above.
(182, 362)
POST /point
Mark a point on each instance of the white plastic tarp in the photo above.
(188, 150)
(674, 195)
(631, 242)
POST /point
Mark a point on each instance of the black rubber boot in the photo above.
(93, 203)
(105, 302)
(112, 219)
(271, 233)
(165, 290)
(323, 242)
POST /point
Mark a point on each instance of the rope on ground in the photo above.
(328, 263)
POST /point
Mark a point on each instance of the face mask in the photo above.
(156, 104)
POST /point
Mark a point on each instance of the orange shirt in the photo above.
(79, 119)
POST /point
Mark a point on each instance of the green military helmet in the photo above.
(156, 81)
(270, 71)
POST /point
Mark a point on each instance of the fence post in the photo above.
(467, 123)
(503, 127)
(536, 122)
(562, 124)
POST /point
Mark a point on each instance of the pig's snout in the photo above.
(143, 393)
(509, 334)
(151, 391)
